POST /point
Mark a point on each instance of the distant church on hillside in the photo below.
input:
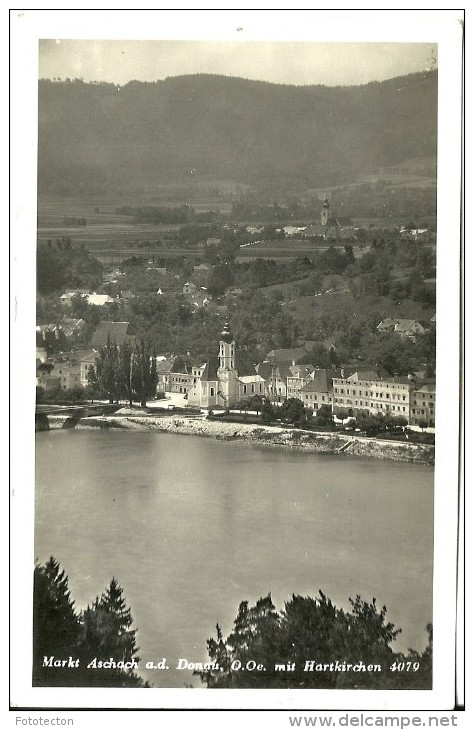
(226, 379)
(335, 226)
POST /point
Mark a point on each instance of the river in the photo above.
(191, 526)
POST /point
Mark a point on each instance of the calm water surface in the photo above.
(191, 526)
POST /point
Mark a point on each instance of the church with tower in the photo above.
(226, 379)
(335, 226)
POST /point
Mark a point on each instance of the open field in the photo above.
(112, 236)
(98, 209)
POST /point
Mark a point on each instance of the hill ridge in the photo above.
(209, 126)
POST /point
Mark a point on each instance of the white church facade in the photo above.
(220, 385)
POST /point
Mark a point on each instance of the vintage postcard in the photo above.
(245, 305)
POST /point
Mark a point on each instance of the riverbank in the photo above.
(272, 436)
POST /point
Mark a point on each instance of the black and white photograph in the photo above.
(238, 255)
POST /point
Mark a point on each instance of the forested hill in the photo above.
(207, 128)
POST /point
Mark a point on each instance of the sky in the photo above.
(297, 63)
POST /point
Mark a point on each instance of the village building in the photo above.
(330, 226)
(72, 327)
(69, 374)
(423, 404)
(250, 385)
(87, 362)
(99, 300)
(200, 298)
(202, 268)
(126, 295)
(293, 230)
(298, 376)
(318, 391)
(409, 328)
(163, 368)
(276, 375)
(63, 372)
(114, 332)
(226, 379)
(69, 295)
(46, 378)
(182, 375)
(287, 354)
(354, 393)
(50, 338)
(375, 393)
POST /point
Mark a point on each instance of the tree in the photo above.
(55, 624)
(342, 414)
(106, 633)
(144, 378)
(332, 261)
(324, 415)
(103, 376)
(292, 411)
(254, 638)
(50, 274)
(268, 412)
(349, 251)
(220, 279)
(372, 425)
(255, 403)
(310, 628)
(103, 631)
(124, 371)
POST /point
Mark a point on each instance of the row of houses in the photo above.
(230, 377)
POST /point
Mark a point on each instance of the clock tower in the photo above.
(325, 212)
(227, 372)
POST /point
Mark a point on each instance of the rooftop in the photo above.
(116, 332)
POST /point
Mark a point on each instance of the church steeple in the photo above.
(226, 349)
(325, 212)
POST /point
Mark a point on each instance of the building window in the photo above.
(212, 391)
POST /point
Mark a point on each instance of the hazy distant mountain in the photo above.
(206, 128)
